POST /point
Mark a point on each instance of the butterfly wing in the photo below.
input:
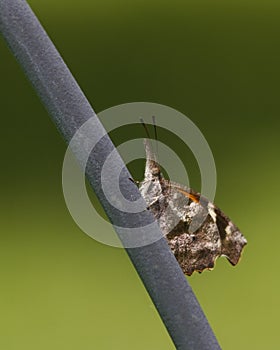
(197, 231)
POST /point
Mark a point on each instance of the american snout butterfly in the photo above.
(196, 230)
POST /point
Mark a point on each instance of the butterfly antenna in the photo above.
(155, 127)
(156, 136)
(145, 127)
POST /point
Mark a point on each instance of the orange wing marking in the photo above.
(193, 197)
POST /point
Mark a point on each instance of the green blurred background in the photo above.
(218, 63)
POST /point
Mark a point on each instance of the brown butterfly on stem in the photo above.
(196, 230)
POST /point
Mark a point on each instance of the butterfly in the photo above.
(197, 231)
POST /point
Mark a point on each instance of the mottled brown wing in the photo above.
(197, 232)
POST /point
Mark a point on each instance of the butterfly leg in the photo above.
(134, 181)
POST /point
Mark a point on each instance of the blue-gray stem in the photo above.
(69, 109)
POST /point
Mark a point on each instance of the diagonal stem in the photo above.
(69, 109)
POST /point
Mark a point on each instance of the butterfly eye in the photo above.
(156, 172)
